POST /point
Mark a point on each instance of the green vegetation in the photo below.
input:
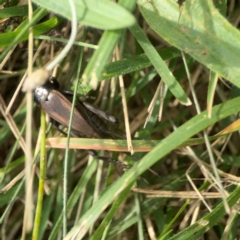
(174, 60)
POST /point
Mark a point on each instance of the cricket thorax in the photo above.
(40, 95)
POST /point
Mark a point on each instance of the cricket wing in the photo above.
(58, 107)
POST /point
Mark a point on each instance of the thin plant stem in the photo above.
(28, 213)
(72, 38)
(38, 214)
(49, 67)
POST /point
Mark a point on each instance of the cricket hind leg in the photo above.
(94, 153)
(118, 163)
(100, 113)
(108, 159)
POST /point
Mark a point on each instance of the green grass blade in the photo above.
(95, 13)
(115, 207)
(21, 10)
(205, 41)
(211, 91)
(22, 32)
(42, 176)
(193, 126)
(167, 229)
(105, 49)
(37, 30)
(196, 230)
(136, 63)
(75, 196)
(159, 65)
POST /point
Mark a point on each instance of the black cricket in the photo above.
(86, 120)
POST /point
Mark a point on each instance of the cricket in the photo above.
(87, 119)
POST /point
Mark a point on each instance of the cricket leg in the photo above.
(92, 152)
(108, 159)
(92, 108)
(100, 113)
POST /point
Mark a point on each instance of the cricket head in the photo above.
(40, 94)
